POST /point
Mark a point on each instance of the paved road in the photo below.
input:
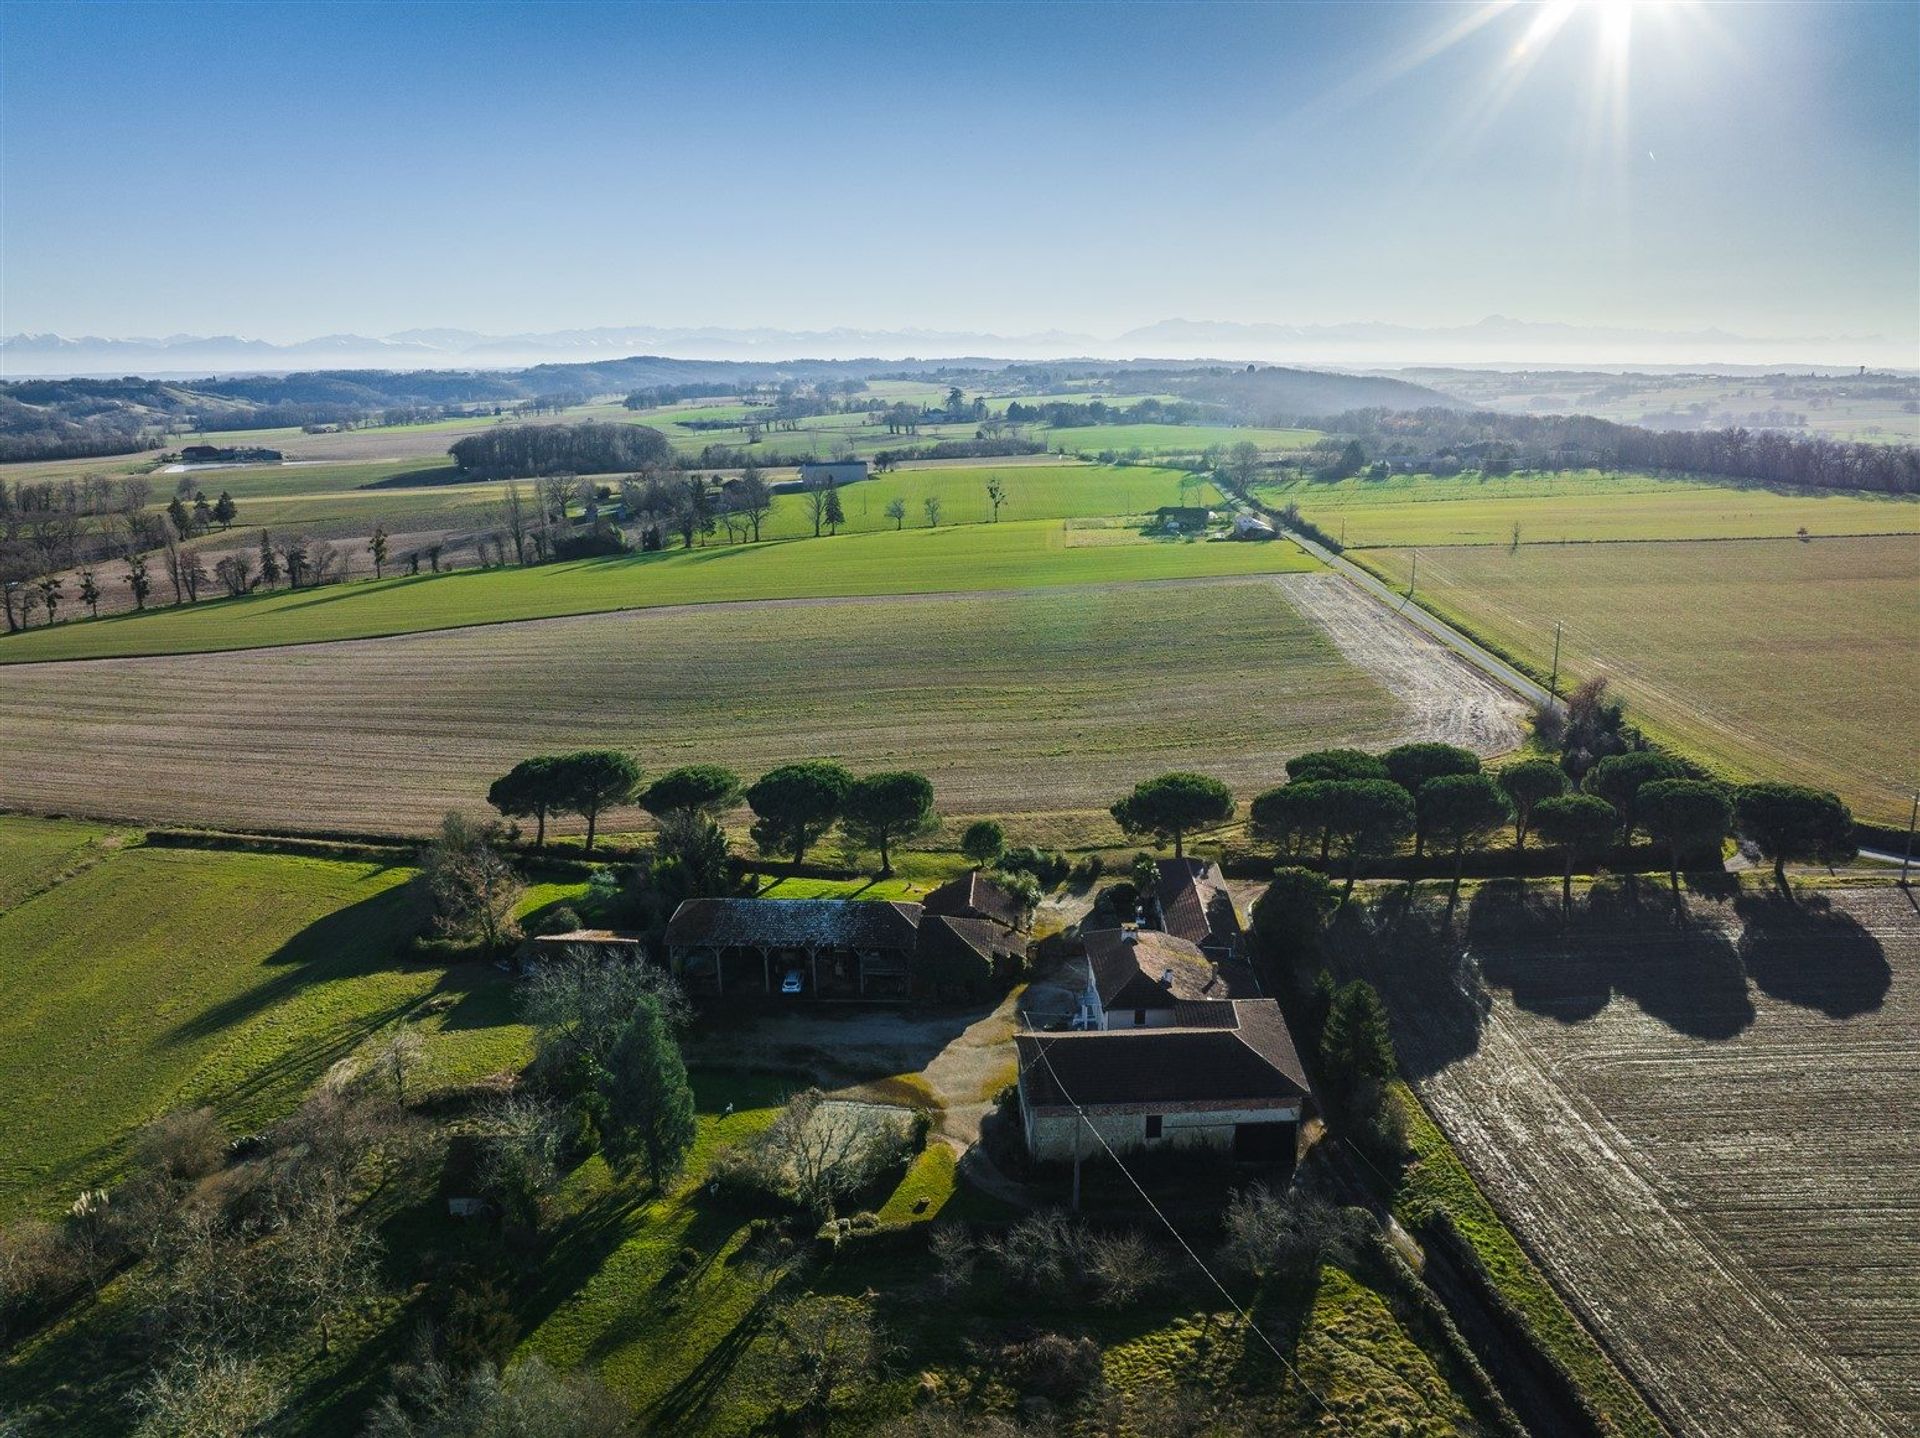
(1487, 663)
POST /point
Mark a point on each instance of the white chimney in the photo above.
(1130, 934)
(1166, 978)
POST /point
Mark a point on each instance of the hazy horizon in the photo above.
(1673, 168)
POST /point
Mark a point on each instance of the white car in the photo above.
(793, 983)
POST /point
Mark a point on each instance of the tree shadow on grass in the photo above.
(677, 1409)
(1813, 954)
(363, 938)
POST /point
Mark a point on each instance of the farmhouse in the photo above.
(975, 896)
(1217, 1075)
(839, 471)
(1190, 901)
(1137, 978)
(832, 948)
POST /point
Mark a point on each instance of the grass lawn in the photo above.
(1766, 658)
(977, 557)
(162, 977)
(1579, 506)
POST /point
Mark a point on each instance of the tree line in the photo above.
(537, 449)
(1586, 442)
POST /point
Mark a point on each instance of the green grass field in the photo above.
(1173, 438)
(162, 977)
(36, 852)
(1766, 658)
(1034, 491)
(1579, 506)
(968, 558)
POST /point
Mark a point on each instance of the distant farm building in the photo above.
(839, 471)
(974, 895)
(1248, 525)
(1137, 978)
(1182, 518)
(588, 943)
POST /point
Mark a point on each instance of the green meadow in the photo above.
(958, 558)
(158, 978)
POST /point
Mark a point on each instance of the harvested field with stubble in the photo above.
(1706, 1132)
(1770, 659)
(1040, 706)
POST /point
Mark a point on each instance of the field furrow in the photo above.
(1706, 1133)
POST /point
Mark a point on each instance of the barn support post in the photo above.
(813, 959)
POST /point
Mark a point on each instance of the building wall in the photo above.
(1051, 1137)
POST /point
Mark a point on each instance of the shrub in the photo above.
(561, 919)
(1054, 1366)
(1049, 867)
(954, 1257)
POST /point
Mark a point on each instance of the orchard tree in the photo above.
(796, 804)
(1580, 826)
(591, 781)
(1412, 765)
(984, 841)
(90, 592)
(1618, 778)
(897, 512)
(1526, 784)
(707, 789)
(529, 790)
(1461, 811)
(377, 547)
(1173, 806)
(1685, 816)
(887, 809)
(1789, 822)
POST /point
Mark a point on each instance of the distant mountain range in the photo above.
(1492, 341)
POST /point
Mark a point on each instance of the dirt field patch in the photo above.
(1706, 1132)
(1445, 697)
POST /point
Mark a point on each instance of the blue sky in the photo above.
(281, 171)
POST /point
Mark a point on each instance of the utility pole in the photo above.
(1553, 684)
(1906, 862)
(1413, 579)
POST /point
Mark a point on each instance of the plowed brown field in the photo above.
(1707, 1134)
(1040, 706)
